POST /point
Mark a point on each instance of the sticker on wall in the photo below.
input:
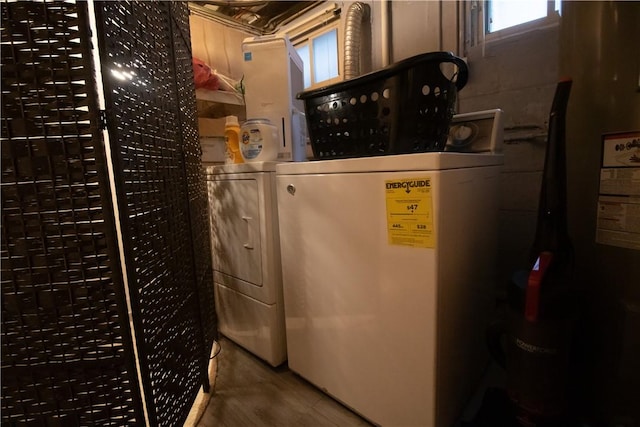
(410, 212)
(618, 221)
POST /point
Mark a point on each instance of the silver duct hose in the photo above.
(358, 12)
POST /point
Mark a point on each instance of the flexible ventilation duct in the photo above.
(356, 15)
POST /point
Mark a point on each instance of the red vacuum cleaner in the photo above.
(533, 343)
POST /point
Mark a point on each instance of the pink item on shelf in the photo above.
(203, 77)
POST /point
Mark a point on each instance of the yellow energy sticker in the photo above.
(410, 212)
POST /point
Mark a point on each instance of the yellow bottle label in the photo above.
(231, 139)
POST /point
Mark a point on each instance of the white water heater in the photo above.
(273, 77)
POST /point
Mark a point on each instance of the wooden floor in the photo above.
(249, 392)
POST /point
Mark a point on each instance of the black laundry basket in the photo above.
(404, 108)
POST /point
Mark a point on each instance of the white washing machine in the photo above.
(388, 274)
(246, 257)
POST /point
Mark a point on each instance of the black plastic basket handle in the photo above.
(462, 76)
(436, 57)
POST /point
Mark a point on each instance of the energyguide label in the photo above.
(410, 212)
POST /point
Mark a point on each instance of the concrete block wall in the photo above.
(518, 75)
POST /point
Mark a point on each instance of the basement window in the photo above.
(506, 14)
(493, 20)
(320, 57)
(317, 38)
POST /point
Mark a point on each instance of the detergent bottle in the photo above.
(260, 141)
(232, 140)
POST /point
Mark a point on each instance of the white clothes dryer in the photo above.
(246, 257)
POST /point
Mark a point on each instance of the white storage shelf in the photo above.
(213, 106)
(219, 97)
(216, 105)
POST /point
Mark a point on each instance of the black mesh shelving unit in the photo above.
(67, 337)
(152, 121)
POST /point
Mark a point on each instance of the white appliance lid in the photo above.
(400, 162)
